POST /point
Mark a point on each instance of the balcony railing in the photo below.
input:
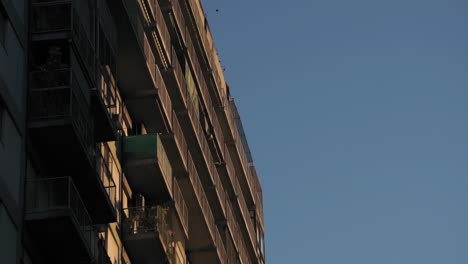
(240, 198)
(179, 77)
(106, 19)
(139, 31)
(181, 207)
(206, 40)
(84, 42)
(205, 94)
(52, 195)
(154, 21)
(179, 18)
(244, 163)
(104, 162)
(200, 135)
(162, 29)
(148, 220)
(235, 233)
(163, 95)
(205, 207)
(56, 94)
(179, 137)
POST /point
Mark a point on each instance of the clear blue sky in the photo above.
(357, 116)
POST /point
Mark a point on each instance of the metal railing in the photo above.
(52, 194)
(205, 94)
(110, 95)
(164, 164)
(179, 18)
(235, 233)
(205, 207)
(181, 207)
(144, 220)
(206, 40)
(200, 135)
(163, 95)
(179, 76)
(106, 19)
(148, 9)
(162, 29)
(139, 31)
(219, 190)
(56, 94)
(126, 120)
(239, 147)
(240, 197)
(104, 161)
(84, 45)
(179, 138)
(150, 59)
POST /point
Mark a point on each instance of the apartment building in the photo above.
(119, 140)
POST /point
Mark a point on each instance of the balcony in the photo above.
(177, 150)
(106, 97)
(141, 86)
(147, 234)
(241, 212)
(60, 121)
(147, 166)
(175, 77)
(60, 125)
(205, 244)
(106, 203)
(106, 108)
(235, 234)
(181, 209)
(68, 20)
(202, 156)
(200, 32)
(174, 13)
(240, 159)
(206, 98)
(110, 98)
(157, 30)
(56, 213)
